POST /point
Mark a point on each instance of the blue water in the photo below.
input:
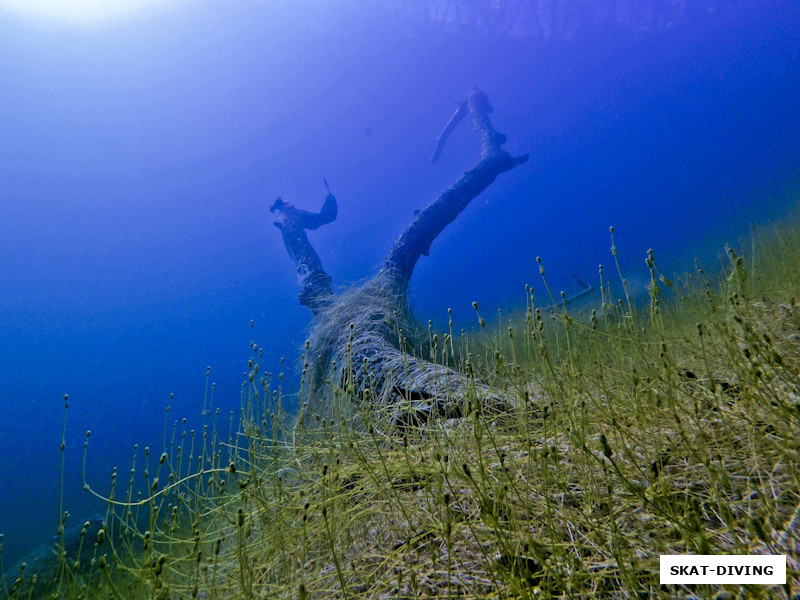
(138, 160)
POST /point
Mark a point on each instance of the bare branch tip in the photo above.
(277, 205)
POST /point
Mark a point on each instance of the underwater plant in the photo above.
(360, 341)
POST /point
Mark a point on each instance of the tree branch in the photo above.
(417, 238)
(461, 111)
(315, 283)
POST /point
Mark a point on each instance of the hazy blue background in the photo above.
(138, 161)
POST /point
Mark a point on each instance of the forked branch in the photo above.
(315, 283)
(417, 238)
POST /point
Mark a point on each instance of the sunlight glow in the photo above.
(77, 12)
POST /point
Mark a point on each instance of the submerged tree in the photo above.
(359, 349)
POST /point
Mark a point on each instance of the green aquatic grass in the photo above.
(640, 427)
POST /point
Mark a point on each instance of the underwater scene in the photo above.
(397, 298)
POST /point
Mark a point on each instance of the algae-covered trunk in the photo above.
(363, 351)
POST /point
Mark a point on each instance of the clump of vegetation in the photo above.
(634, 429)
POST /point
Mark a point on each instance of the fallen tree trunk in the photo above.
(361, 353)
